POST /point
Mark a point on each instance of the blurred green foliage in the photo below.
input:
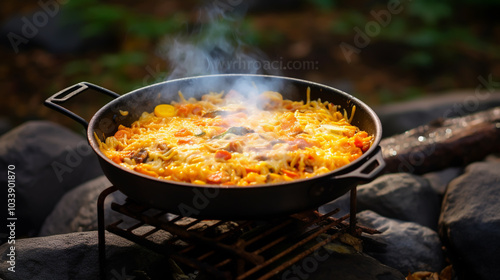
(432, 31)
(117, 67)
(100, 18)
(426, 34)
(424, 38)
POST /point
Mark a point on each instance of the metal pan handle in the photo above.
(368, 170)
(70, 92)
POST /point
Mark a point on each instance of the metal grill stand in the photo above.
(246, 250)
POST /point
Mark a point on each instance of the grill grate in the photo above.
(225, 249)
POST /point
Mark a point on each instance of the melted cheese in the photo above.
(224, 140)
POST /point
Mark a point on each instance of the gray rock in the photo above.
(49, 160)
(410, 247)
(342, 203)
(5, 125)
(470, 221)
(75, 256)
(77, 209)
(439, 180)
(493, 158)
(401, 196)
(344, 266)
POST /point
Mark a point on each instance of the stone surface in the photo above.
(342, 203)
(439, 180)
(77, 209)
(470, 221)
(493, 158)
(49, 160)
(410, 247)
(75, 256)
(401, 196)
(350, 267)
(5, 125)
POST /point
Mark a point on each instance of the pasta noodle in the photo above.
(225, 139)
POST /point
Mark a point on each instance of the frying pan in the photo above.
(225, 202)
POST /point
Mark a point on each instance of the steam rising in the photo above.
(214, 46)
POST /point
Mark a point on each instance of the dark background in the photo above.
(404, 50)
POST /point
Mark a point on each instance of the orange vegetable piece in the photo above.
(183, 132)
(143, 170)
(215, 178)
(222, 154)
(122, 133)
(290, 174)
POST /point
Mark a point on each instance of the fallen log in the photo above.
(443, 143)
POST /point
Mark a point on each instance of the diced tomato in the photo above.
(290, 174)
(362, 134)
(215, 178)
(358, 142)
(222, 154)
(183, 132)
(249, 169)
(183, 110)
(184, 141)
(361, 142)
(117, 159)
(122, 133)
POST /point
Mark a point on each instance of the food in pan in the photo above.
(230, 139)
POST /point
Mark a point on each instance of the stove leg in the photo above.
(101, 231)
(353, 210)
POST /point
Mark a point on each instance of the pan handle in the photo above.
(368, 170)
(70, 92)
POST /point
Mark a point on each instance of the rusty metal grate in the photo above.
(225, 249)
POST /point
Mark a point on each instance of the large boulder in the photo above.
(77, 209)
(75, 256)
(439, 180)
(48, 160)
(407, 246)
(401, 196)
(470, 221)
(353, 266)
